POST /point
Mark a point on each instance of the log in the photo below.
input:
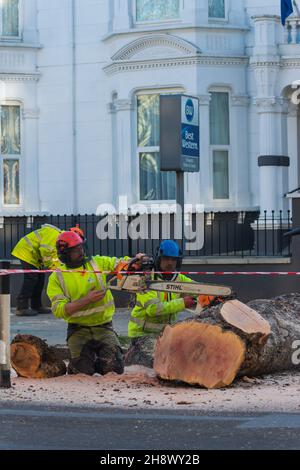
(143, 349)
(31, 357)
(230, 340)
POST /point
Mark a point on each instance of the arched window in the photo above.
(216, 8)
(9, 16)
(157, 10)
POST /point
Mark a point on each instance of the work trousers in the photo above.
(31, 290)
(94, 350)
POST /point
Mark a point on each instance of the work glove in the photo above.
(189, 302)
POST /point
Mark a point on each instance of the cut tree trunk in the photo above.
(143, 349)
(31, 357)
(231, 340)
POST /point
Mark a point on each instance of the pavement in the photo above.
(54, 331)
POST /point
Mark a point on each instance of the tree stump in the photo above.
(230, 340)
(31, 357)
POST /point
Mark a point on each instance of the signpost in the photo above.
(179, 139)
(5, 329)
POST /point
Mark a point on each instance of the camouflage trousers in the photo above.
(95, 350)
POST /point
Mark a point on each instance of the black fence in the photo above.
(226, 234)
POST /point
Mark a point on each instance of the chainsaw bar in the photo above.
(193, 288)
(139, 284)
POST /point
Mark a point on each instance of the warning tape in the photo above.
(8, 272)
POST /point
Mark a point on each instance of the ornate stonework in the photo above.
(12, 59)
(134, 66)
(19, 77)
(272, 105)
(172, 44)
(291, 63)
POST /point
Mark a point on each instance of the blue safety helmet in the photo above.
(168, 249)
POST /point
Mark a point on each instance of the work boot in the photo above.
(26, 312)
(43, 310)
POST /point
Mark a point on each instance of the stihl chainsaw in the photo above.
(205, 294)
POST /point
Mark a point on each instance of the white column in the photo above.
(122, 17)
(293, 24)
(30, 163)
(266, 31)
(123, 152)
(273, 160)
(293, 142)
(240, 165)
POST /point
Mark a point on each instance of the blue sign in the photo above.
(179, 133)
(190, 135)
(189, 110)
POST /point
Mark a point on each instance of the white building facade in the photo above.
(79, 97)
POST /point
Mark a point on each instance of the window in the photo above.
(216, 8)
(10, 134)
(155, 185)
(157, 10)
(220, 143)
(220, 174)
(9, 16)
(219, 119)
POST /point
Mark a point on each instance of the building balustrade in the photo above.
(292, 30)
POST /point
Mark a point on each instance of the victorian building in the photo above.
(79, 99)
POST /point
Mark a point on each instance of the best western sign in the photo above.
(179, 133)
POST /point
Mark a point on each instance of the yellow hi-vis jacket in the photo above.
(39, 247)
(154, 310)
(66, 287)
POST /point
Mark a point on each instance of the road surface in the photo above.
(40, 428)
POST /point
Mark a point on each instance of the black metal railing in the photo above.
(246, 234)
(226, 234)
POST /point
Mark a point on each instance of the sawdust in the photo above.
(139, 388)
(135, 375)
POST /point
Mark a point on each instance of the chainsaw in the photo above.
(206, 295)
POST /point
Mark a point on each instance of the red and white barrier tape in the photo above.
(8, 272)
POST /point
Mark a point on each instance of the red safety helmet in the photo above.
(77, 230)
(66, 241)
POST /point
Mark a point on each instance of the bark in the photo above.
(31, 357)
